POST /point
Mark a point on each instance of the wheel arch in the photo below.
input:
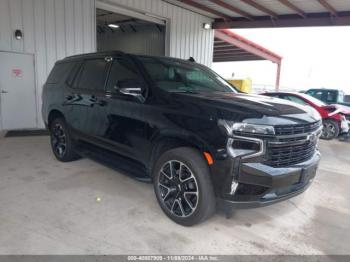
(54, 113)
(336, 120)
(168, 142)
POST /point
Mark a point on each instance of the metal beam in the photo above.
(278, 77)
(226, 52)
(242, 56)
(225, 48)
(233, 54)
(205, 8)
(238, 59)
(260, 8)
(328, 7)
(315, 19)
(228, 47)
(230, 37)
(232, 8)
(217, 51)
(293, 7)
(221, 44)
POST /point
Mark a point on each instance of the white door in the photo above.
(17, 91)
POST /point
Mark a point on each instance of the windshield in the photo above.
(179, 76)
(312, 99)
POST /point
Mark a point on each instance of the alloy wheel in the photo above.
(178, 188)
(58, 138)
(329, 130)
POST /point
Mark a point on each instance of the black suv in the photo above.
(179, 124)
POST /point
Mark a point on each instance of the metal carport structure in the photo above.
(264, 14)
(230, 47)
(271, 13)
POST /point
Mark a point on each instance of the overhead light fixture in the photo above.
(113, 25)
(207, 26)
(18, 34)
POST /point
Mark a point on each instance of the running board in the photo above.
(114, 161)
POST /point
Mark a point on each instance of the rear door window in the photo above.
(59, 73)
(73, 73)
(92, 76)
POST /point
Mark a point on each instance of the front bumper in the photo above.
(256, 184)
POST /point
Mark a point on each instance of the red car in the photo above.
(336, 118)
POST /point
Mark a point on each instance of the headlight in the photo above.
(245, 146)
(244, 128)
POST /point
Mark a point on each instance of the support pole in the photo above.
(278, 76)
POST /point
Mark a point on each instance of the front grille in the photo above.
(281, 156)
(291, 145)
(296, 129)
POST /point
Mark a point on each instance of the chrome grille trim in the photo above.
(288, 150)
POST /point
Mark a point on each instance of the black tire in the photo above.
(194, 175)
(62, 144)
(330, 129)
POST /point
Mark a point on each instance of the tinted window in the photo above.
(180, 76)
(316, 94)
(59, 73)
(121, 70)
(272, 95)
(341, 96)
(73, 72)
(92, 75)
(331, 96)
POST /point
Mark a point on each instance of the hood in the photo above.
(251, 107)
(336, 108)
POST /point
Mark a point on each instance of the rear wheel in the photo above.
(183, 187)
(330, 129)
(61, 141)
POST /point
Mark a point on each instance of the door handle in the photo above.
(4, 92)
(69, 97)
(93, 99)
(102, 103)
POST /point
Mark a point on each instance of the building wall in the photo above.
(52, 29)
(146, 40)
(187, 36)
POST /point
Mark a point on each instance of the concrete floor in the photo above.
(48, 207)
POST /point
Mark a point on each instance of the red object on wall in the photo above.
(17, 72)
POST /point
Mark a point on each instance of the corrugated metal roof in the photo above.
(316, 10)
(308, 6)
(229, 46)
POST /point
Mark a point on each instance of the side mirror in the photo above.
(131, 91)
(132, 87)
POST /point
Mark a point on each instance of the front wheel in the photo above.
(330, 129)
(183, 187)
(61, 141)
